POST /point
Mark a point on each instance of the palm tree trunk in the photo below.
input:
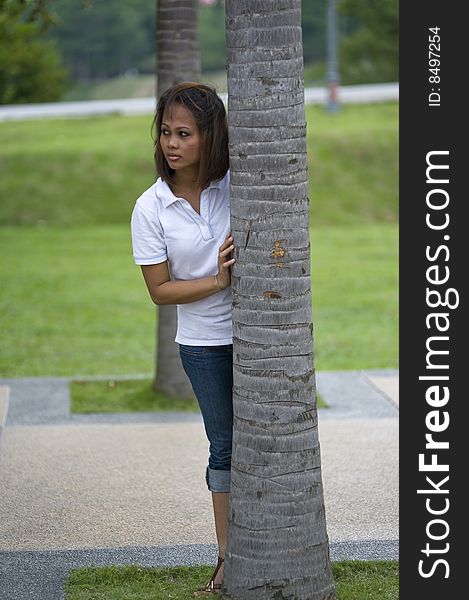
(177, 48)
(277, 541)
(177, 59)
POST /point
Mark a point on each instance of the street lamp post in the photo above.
(332, 104)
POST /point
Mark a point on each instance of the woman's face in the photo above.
(180, 139)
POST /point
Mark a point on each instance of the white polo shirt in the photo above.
(165, 227)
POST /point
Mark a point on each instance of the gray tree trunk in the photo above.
(177, 48)
(177, 59)
(277, 542)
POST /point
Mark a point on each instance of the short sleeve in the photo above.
(148, 244)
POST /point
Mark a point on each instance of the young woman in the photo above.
(181, 238)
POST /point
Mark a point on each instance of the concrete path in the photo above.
(351, 94)
(129, 489)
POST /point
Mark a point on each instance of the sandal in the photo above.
(211, 587)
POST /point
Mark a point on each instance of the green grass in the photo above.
(133, 86)
(90, 171)
(368, 580)
(354, 273)
(73, 302)
(130, 395)
(355, 580)
(73, 172)
(353, 164)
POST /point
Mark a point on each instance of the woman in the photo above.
(181, 238)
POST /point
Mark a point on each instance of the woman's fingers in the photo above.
(227, 250)
(227, 242)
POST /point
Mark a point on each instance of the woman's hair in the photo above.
(209, 114)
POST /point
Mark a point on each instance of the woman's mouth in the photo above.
(173, 157)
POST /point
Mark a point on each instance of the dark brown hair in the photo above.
(209, 114)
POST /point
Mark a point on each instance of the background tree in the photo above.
(103, 40)
(370, 53)
(100, 40)
(177, 47)
(212, 35)
(277, 541)
(313, 24)
(30, 67)
(177, 59)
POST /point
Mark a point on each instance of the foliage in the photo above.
(212, 33)
(30, 68)
(103, 40)
(371, 52)
(36, 11)
(212, 37)
(99, 40)
(313, 24)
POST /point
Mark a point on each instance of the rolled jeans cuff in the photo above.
(218, 481)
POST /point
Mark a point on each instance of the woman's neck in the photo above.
(186, 184)
(186, 180)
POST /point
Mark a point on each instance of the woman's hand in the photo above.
(223, 276)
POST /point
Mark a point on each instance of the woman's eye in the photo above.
(183, 133)
(164, 132)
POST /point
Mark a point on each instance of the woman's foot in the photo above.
(217, 580)
(214, 585)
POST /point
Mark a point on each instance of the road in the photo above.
(353, 94)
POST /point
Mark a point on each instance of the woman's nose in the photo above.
(172, 142)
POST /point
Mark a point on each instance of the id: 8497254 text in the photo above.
(434, 56)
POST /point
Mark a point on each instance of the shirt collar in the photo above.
(163, 191)
(167, 197)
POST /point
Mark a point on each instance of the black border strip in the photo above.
(433, 121)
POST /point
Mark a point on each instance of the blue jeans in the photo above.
(210, 371)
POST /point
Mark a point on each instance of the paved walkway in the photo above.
(349, 94)
(77, 490)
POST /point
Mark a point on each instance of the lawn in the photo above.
(131, 395)
(355, 580)
(90, 171)
(72, 301)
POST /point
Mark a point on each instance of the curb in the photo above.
(372, 381)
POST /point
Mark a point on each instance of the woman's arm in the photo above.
(163, 290)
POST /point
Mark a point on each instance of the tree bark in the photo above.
(177, 48)
(277, 541)
(177, 59)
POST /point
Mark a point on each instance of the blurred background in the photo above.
(99, 49)
(72, 302)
